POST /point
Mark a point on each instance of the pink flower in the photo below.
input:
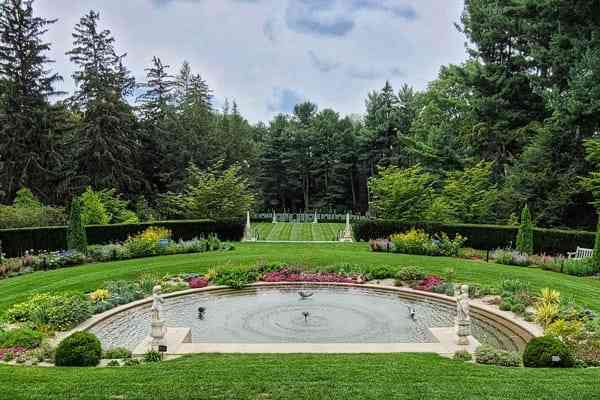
(429, 282)
(286, 275)
(198, 282)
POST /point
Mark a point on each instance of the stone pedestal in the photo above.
(157, 333)
(463, 332)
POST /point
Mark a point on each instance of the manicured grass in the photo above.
(298, 231)
(89, 277)
(295, 377)
(363, 376)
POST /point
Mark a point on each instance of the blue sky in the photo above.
(270, 54)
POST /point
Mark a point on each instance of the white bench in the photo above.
(581, 253)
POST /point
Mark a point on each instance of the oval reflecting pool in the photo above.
(332, 314)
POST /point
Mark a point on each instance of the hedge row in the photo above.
(484, 237)
(16, 241)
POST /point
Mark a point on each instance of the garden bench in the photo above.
(581, 253)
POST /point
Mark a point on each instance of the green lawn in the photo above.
(91, 276)
(298, 231)
(297, 376)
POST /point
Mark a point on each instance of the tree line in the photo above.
(515, 124)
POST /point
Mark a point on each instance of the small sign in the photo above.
(162, 348)
(555, 359)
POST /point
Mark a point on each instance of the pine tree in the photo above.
(76, 236)
(525, 234)
(30, 127)
(159, 95)
(108, 136)
(159, 123)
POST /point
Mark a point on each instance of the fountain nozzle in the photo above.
(306, 314)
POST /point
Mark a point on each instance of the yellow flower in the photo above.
(549, 296)
(546, 313)
(99, 295)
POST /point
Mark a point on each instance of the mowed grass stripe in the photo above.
(296, 232)
(275, 232)
(264, 230)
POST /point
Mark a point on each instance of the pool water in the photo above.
(279, 315)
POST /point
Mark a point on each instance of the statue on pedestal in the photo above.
(463, 318)
(157, 331)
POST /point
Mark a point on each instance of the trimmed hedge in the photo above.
(81, 349)
(16, 241)
(539, 353)
(483, 237)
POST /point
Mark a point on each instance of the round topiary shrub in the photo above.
(547, 352)
(81, 349)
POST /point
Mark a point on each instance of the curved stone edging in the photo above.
(511, 324)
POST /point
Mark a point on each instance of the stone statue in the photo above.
(157, 302)
(462, 304)
(463, 318)
(157, 327)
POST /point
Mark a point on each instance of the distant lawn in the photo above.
(298, 377)
(298, 231)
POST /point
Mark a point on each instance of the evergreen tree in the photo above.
(159, 94)
(30, 127)
(525, 234)
(76, 235)
(159, 124)
(381, 123)
(108, 135)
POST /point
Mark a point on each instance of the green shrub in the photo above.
(123, 292)
(525, 234)
(236, 278)
(488, 355)
(116, 353)
(444, 288)
(113, 363)
(16, 241)
(76, 235)
(462, 355)
(93, 211)
(410, 273)
(585, 267)
(56, 311)
(540, 351)
(477, 291)
(21, 337)
(131, 362)
(81, 349)
(511, 257)
(380, 272)
(152, 356)
(482, 237)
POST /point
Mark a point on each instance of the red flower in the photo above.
(198, 282)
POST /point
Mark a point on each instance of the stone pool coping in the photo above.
(507, 321)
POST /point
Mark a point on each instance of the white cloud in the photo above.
(247, 50)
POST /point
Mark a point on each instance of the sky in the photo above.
(268, 55)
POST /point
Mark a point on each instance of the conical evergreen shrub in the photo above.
(525, 234)
(76, 236)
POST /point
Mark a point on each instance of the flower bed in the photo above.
(286, 275)
(154, 241)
